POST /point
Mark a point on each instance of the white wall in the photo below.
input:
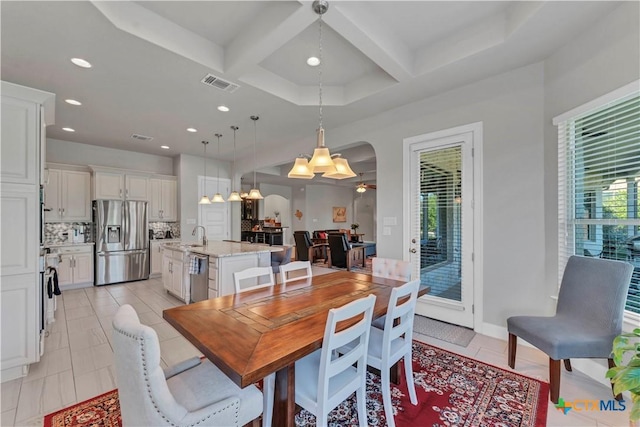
(320, 200)
(364, 208)
(603, 59)
(73, 153)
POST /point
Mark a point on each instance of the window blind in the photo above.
(598, 178)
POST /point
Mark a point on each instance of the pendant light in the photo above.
(234, 196)
(322, 160)
(361, 188)
(254, 193)
(204, 200)
(217, 198)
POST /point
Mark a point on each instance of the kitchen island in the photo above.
(224, 259)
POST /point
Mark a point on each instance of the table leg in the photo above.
(284, 405)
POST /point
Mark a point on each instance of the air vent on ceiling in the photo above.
(141, 137)
(219, 83)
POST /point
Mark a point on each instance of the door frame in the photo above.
(476, 130)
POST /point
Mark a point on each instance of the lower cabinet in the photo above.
(221, 271)
(156, 256)
(174, 274)
(75, 266)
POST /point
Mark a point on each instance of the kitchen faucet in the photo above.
(204, 234)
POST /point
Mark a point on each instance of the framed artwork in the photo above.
(339, 214)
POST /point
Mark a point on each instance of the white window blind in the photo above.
(598, 178)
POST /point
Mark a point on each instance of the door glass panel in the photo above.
(440, 222)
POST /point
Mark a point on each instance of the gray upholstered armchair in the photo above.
(188, 394)
(588, 316)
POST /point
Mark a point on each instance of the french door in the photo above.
(441, 222)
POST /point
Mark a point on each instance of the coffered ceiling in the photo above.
(149, 58)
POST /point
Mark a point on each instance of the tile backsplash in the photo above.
(160, 229)
(62, 232)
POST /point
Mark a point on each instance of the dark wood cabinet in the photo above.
(249, 209)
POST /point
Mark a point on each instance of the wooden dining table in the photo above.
(258, 332)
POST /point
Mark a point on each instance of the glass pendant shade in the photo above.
(234, 197)
(343, 170)
(217, 198)
(301, 169)
(244, 195)
(204, 201)
(361, 188)
(254, 194)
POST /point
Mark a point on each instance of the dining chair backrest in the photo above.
(399, 318)
(332, 363)
(295, 266)
(389, 268)
(258, 273)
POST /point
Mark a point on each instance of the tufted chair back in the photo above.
(391, 269)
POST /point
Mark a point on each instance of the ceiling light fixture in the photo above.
(204, 200)
(322, 160)
(223, 108)
(192, 130)
(234, 196)
(165, 147)
(81, 62)
(361, 188)
(72, 102)
(217, 198)
(312, 61)
(68, 129)
(254, 193)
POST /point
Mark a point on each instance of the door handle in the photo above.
(413, 240)
(62, 211)
(413, 250)
(121, 192)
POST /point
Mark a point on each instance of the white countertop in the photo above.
(220, 249)
(58, 245)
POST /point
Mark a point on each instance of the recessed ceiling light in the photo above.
(72, 102)
(223, 108)
(166, 147)
(81, 62)
(69, 129)
(313, 61)
(192, 130)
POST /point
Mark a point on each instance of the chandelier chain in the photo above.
(320, 69)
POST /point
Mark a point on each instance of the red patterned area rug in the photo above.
(453, 390)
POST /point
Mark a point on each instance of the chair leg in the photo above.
(268, 391)
(612, 364)
(554, 379)
(408, 373)
(361, 396)
(385, 381)
(513, 345)
(567, 365)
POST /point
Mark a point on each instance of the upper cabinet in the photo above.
(19, 141)
(163, 199)
(67, 196)
(120, 185)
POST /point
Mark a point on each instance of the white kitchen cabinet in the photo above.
(221, 271)
(163, 199)
(75, 267)
(120, 185)
(175, 275)
(157, 255)
(67, 196)
(25, 113)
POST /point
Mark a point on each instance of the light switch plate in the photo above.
(386, 231)
(390, 220)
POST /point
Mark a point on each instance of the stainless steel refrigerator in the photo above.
(122, 241)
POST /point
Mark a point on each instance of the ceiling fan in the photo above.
(362, 187)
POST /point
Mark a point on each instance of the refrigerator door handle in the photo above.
(137, 251)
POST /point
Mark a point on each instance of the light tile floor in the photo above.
(78, 359)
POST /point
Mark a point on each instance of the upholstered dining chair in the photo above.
(280, 258)
(387, 346)
(302, 269)
(339, 249)
(193, 392)
(325, 378)
(256, 274)
(389, 268)
(588, 316)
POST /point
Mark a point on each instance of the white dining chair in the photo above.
(256, 274)
(193, 392)
(387, 346)
(389, 268)
(295, 266)
(325, 378)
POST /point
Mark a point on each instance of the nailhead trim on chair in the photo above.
(146, 379)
